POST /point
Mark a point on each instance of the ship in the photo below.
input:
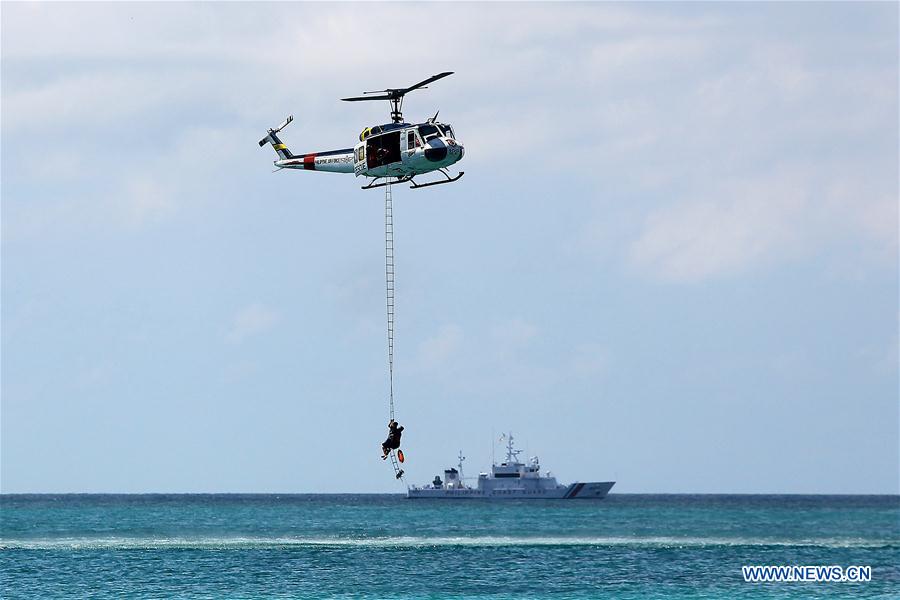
(509, 480)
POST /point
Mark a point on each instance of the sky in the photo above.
(672, 261)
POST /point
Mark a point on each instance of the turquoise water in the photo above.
(376, 546)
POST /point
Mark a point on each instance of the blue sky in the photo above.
(672, 260)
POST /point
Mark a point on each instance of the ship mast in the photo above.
(512, 455)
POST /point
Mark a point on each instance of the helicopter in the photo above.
(398, 149)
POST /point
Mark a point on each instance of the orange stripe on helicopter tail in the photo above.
(309, 162)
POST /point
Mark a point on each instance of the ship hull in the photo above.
(595, 490)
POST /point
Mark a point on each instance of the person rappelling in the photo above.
(395, 430)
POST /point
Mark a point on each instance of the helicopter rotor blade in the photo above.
(361, 98)
(426, 81)
(394, 94)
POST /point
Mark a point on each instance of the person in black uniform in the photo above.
(393, 439)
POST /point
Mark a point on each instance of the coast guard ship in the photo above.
(509, 480)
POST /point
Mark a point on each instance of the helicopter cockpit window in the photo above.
(448, 131)
(428, 132)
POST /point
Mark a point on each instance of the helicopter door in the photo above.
(359, 158)
(410, 142)
(382, 150)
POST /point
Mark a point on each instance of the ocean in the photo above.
(384, 546)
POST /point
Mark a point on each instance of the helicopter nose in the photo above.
(436, 150)
(456, 149)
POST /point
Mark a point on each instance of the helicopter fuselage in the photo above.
(391, 150)
(396, 150)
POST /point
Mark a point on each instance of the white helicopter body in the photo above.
(395, 150)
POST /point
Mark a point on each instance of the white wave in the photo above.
(137, 543)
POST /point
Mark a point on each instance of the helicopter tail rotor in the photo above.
(272, 138)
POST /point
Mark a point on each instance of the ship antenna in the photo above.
(459, 464)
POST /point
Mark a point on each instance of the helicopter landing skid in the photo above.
(384, 183)
(449, 179)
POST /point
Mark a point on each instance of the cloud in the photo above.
(739, 226)
(86, 100)
(144, 186)
(771, 156)
(513, 333)
(665, 105)
(508, 339)
(590, 360)
(438, 349)
(96, 375)
(746, 223)
(146, 199)
(355, 288)
(250, 321)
